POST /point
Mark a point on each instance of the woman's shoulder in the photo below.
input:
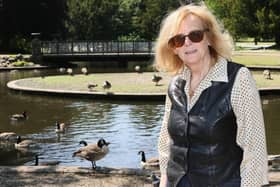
(244, 75)
(235, 64)
(241, 68)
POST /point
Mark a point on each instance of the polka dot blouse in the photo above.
(247, 107)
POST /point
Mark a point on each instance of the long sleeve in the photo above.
(164, 139)
(250, 132)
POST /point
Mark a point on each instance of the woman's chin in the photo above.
(190, 61)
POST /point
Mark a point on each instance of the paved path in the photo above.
(24, 68)
(51, 176)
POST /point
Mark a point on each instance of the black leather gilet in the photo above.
(203, 139)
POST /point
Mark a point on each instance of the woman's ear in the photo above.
(208, 42)
(175, 51)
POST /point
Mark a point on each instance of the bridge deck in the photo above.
(96, 50)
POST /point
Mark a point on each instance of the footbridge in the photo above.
(94, 50)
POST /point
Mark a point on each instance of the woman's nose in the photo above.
(187, 41)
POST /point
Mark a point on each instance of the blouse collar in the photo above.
(217, 73)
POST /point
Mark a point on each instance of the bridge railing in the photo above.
(96, 47)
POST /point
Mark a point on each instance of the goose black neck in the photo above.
(143, 156)
(36, 160)
(57, 125)
(18, 139)
(83, 142)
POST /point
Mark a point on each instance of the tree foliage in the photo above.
(92, 19)
(18, 19)
(124, 19)
(275, 20)
(235, 15)
(249, 18)
(149, 14)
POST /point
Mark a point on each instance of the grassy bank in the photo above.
(121, 82)
(264, 83)
(248, 53)
(257, 58)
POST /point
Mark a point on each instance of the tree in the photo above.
(149, 14)
(268, 15)
(185, 2)
(18, 19)
(236, 15)
(92, 19)
(249, 18)
(125, 28)
(275, 20)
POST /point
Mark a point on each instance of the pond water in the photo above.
(129, 126)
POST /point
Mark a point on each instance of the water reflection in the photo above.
(272, 119)
(130, 126)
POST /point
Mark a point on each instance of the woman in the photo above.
(213, 129)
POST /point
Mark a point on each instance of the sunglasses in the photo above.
(179, 39)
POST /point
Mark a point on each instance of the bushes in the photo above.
(19, 63)
(19, 44)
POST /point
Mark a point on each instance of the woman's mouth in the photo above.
(190, 51)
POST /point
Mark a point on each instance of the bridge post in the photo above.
(87, 47)
(72, 47)
(150, 47)
(36, 48)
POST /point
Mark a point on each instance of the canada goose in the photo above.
(155, 180)
(93, 152)
(138, 69)
(152, 162)
(70, 71)
(156, 79)
(46, 163)
(91, 86)
(84, 70)
(60, 127)
(267, 74)
(36, 71)
(7, 136)
(62, 70)
(14, 71)
(23, 143)
(106, 85)
(21, 116)
(273, 160)
(83, 142)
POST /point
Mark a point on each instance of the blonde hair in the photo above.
(220, 41)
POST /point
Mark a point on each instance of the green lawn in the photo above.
(247, 53)
(122, 82)
(142, 83)
(262, 58)
(263, 83)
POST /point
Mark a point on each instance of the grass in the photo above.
(259, 59)
(264, 83)
(141, 83)
(122, 82)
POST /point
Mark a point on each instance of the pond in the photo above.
(130, 126)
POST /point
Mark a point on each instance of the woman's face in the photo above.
(192, 52)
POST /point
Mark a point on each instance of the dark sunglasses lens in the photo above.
(177, 41)
(196, 36)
